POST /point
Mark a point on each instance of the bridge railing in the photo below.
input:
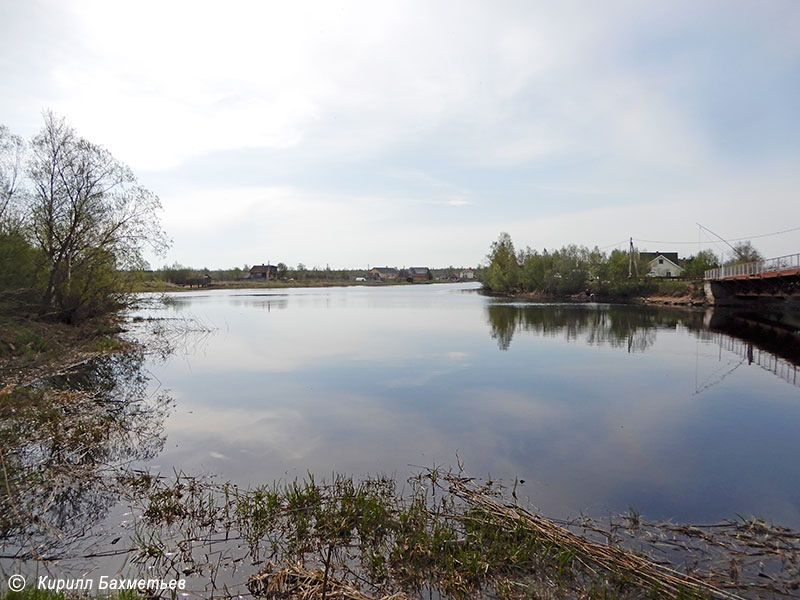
(756, 268)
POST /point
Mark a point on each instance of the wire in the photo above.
(612, 245)
(751, 237)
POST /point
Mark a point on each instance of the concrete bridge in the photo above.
(748, 284)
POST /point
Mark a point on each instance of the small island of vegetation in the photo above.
(579, 273)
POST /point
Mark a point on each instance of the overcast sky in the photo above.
(413, 133)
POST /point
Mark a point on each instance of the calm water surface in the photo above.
(597, 407)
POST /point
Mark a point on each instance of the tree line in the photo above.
(73, 221)
(184, 275)
(577, 269)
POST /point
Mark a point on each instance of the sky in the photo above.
(355, 134)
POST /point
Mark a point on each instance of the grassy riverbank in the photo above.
(31, 348)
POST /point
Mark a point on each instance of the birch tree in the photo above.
(11, 163)
(89, 216)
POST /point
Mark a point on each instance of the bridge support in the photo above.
(766, 292)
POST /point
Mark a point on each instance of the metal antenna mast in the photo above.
(715, 235)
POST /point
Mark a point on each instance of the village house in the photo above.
(383, 273)
(268, 272)
(419, 274)
(662, 264)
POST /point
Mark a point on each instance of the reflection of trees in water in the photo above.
(62, 442)
(266, 302)
(769, 340)
(163, 338)
(631, 327)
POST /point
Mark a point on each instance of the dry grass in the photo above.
(596, 558)
(450, 536)
(296, 581)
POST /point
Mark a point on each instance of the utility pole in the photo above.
(633, 265)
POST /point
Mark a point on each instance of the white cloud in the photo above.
(463, 104)
(352, 79)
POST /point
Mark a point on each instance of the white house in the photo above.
(662, 264)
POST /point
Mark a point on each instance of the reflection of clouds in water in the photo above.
(412, 379)
(368, 383)
(255, 342)
(367, 433)
(280, 431)
(511, 408)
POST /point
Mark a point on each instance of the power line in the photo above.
(751, 237)
(612, 245)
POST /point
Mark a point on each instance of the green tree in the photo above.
(90, 218)
(19, 261)
(698, 264)
(177, 273)
(503, 274)
(744, 252)
(569, 272)
(20, 268)
(618, 267)
(617, 277)
(534, 268)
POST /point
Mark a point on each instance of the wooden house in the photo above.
(268, 272)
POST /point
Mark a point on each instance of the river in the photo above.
(597, 408)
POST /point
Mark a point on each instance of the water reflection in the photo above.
(768, 339)
(597, 407)
(63, 441)
(630, 327)
(266, 302)
(601, 406)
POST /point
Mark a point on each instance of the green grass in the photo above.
(22, 340)
(426, 537)
(32, 347)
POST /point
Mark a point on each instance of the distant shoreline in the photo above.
(163, 286)
(655, 300)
